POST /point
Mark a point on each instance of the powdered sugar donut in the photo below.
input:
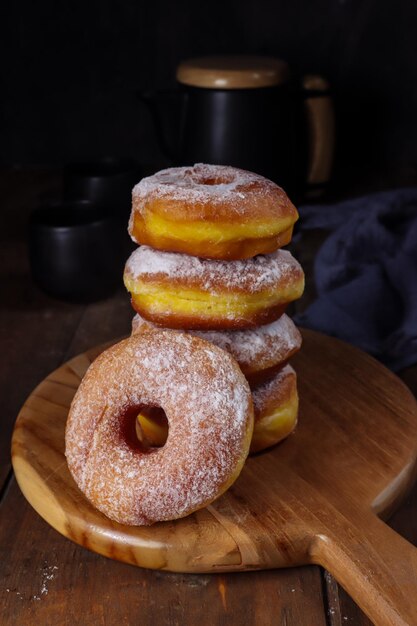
(276, 409)
(211, 211)
(258, 351)
(209, 409)
(179, 291)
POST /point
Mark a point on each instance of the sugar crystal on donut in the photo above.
(276, 409)
(259, 351)
(211, 211)
(179, 291)
(209, 409)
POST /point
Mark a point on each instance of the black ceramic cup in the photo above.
(76, 251)
(105, 182)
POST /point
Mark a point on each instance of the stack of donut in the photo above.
(211, 264)
(204, 379)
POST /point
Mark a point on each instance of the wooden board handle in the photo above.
(376, 566)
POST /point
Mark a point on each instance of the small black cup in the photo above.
(77, 251)
(105, 182)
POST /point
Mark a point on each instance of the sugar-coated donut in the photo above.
(259, 351)
(275, 405)
(276, 409)
(209, 409)
(179, 291)
(211, 211)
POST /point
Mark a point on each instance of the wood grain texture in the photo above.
(307, 500)
(49, 581)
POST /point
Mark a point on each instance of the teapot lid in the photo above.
(232, 72)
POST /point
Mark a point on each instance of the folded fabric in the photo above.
(366, 274)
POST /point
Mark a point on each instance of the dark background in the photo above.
(70, 72)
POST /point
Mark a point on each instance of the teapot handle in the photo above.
(319, 111)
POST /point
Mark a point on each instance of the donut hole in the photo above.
(144, 428)
(151, 426)
(213, 181)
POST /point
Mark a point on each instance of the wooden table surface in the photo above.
(46, 579)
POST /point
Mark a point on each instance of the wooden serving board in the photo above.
(315, 498)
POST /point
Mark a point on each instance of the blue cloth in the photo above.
(366, 274)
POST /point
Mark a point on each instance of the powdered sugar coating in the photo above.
(208, 404)
(203, 183)
(255, 275)
(274, 392)
(211, 211)
(276, 409)
(254, 349)
(212, 194)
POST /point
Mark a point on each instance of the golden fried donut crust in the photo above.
(209, 409)
(276, 409)
(179, 291)
(211, 211)
(259, 351)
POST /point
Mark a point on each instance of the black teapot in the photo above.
(250, 112)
